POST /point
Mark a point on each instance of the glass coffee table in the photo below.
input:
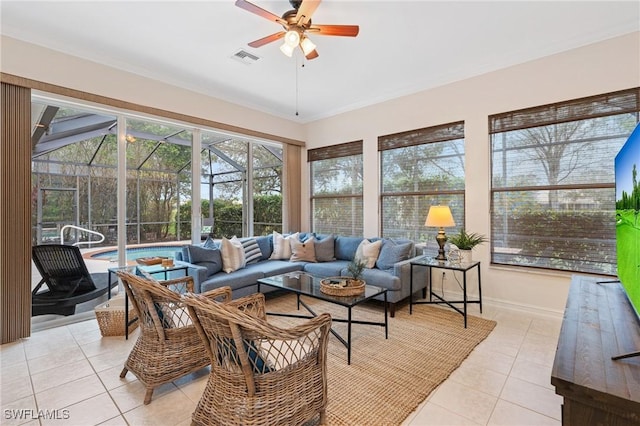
(303, 284)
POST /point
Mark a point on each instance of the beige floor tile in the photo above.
(107, 360)
(194, 388)
(508, 414)
(16, 389)
(547, 326)
(435, 415)
(12, 353)
(170, 409)
(533, 373)
(92, 411)
(116, 344)
(116, 421)
(111, 377)
(14, 371)
(65, 355)
(58, 376)
(481, 379)
(131, 395)
(487, 358)
(464, 401)
(70, 393)
(536, 398)
(19, 412)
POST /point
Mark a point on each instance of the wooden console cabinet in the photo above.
(599, 323)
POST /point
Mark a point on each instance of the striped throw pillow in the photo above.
(252, 252)
(232, 255)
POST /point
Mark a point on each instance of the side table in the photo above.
(149, 269)
(431, 263)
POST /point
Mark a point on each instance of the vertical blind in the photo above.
(553, 183)
(420, 168)
(336, 189)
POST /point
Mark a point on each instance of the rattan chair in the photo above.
(276, 376)
(169, 346)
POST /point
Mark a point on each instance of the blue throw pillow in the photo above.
(392, 253)
(258, 364)
(345, 248)
(210, 243)
(209, 258)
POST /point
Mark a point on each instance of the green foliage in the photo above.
(467, 241)
(355, 268)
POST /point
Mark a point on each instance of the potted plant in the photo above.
(355, 268)
(466, 241)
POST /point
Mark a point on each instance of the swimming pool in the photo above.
(134, 253)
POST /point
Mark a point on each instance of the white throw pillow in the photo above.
(232, 255)
(368, 252)
(282, 246)
(303, 251)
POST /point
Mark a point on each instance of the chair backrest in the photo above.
(62, 268)
(265, 348)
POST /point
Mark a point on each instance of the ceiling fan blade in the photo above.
(250, 7)
(305, 11)
(335, 30)
(312, 55)
(268, 39)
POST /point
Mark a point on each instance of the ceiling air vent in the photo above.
(245, 57)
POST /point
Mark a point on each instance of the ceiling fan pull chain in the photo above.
(296, 65)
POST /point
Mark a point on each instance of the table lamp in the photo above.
(440, 217)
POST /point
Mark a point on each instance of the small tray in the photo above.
(148, 261)
(328, 286)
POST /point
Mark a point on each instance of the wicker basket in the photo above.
(329, 286)
(111, 317)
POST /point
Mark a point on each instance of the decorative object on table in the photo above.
(440, 217)
(167, 262)
(148, 261)
(111, 317)
(465, 242)
(351, 285)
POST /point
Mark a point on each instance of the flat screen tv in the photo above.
(627, 171)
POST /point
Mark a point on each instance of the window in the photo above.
(418, 169)
(336, 189)
(553, 188)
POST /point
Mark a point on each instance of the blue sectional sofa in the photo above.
(332, 257)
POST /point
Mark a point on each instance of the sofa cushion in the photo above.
(325, 250)
(282, 245)
(303, 251)
(252, 252)
(265, 243)
(232, 255)
(210, 243)
(326, 269)
(345, 247)
(379, 278)
(240, 278)
(275, 267)
(209, 258)
(393, 252)
(367, 252)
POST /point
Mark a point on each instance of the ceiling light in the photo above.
(287, 50)
(307, 46)
(292, 38)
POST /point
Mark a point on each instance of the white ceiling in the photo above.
(403, 46)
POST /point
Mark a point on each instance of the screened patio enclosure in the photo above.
(75, 171)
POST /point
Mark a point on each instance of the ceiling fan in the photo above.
(297, 25)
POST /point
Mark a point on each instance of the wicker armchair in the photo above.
(169, 345)
(275, 376)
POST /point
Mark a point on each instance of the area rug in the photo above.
(389, 378)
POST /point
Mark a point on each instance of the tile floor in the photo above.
(72, 369)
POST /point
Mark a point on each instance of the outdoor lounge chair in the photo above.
(261, 374)
(67, 279)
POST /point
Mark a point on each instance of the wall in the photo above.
(599, 68)
(37, 63)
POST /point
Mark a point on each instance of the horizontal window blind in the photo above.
(552, 194)
(335, 151)
(440, 133)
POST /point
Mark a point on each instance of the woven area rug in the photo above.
(388, 379)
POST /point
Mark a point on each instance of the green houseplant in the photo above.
(355, 268)
(467, 240)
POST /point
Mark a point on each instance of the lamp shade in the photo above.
(439, 216)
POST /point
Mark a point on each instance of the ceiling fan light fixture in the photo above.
(292, 38)
(286, 49)
(307, 45)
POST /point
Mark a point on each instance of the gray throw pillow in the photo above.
(325, 249)
(209, 258)
(210, 243)
(392, 253)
